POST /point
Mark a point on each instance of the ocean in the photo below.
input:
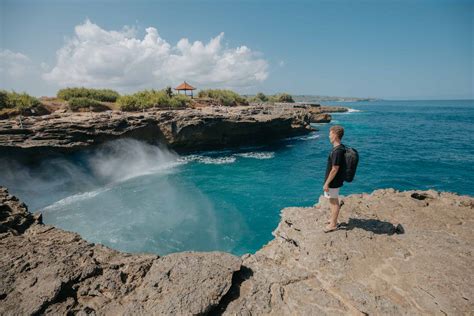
(136, 197)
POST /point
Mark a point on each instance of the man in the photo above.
(335, 173)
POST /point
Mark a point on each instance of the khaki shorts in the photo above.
(333, 193)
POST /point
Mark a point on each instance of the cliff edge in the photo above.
(395, 253)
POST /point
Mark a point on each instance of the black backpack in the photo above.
(352, 159)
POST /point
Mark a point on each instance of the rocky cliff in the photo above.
(189, 129)
(45, 270)
(395, 253)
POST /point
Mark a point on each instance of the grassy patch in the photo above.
(152, 98)
(224, 97)
(14, 100)
(105, 95)
(280, 97)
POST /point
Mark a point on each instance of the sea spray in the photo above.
(127, 158)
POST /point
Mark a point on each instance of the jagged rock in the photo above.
(189, 129)
(321, 118)
(368, 266)
(45, 270)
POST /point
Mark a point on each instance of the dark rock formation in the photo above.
(190, 129)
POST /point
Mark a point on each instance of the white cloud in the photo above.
(14, 65)
(101, 58)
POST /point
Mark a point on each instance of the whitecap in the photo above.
(257, 155)
(353, 110)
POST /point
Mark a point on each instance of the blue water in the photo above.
(139, 198)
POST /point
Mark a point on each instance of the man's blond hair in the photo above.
(338, 130)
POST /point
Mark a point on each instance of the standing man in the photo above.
(335, 173)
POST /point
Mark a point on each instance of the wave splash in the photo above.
(226, 159)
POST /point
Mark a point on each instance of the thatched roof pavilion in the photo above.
(185, 87)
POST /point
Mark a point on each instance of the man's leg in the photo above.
(334, 205)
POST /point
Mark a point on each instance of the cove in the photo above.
(135, 197)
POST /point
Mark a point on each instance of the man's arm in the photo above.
(331, 176)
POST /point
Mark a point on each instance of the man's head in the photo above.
(336, 133)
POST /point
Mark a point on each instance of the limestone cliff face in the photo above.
(189, 129)
(371, 265)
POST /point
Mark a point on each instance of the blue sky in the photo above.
(388, 49)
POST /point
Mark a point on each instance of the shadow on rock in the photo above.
(234, 292)
(373, 225)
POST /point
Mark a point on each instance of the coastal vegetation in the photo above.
(146, 99)
(223, 96)
(76, 104)
(19, 101)
(104, 95)
(79, 99)
(276, 98)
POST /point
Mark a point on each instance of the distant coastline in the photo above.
(323, 98)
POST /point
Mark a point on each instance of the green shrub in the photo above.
(21, 101)
(179, 101)
(3, 99)
(224, 97)
(284, 97)
(105, 95)
(128, 103)
(259, 97)
(151, 98)
(84, 103)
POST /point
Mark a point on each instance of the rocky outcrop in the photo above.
(45, 270)
(320, 118)
(395, 253)
(190, 129)
(333, 109)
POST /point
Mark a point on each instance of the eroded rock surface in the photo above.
(371, 265)
(47, 270)
(396, 253)
(189, 129)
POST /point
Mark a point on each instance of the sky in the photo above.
(392, 49)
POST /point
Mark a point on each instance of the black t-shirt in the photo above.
(336, 158)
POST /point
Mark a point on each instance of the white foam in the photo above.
(305, 137)
(309, 137)
(349, 110)
(74, 198)
(208, 160)
(257, 155)
(353, 110)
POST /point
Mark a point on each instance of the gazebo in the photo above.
(185, 87)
